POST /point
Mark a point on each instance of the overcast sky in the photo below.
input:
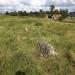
(33, 5)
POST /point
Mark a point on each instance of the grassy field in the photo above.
(70, 20)
(18, 37)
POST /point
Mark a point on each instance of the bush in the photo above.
(38, 24)
(13, 13)
(60, 18)
(20, 73)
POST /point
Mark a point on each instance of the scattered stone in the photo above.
(45, 49)
(26, 29)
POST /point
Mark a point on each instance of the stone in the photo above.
(45, 49)
(26, 29)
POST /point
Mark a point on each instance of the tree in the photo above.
(20, 13)
(52, 7)
(40, 11)
(25, 13)
(13, 13)
(64, 13)
(7, 13)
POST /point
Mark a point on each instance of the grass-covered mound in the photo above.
(18, 52)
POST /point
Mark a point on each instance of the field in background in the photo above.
(18, 37)
(70, 20)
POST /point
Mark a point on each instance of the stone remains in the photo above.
(45, 49)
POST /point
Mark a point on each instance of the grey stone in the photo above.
(45, 49)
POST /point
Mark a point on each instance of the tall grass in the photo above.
(18, 47)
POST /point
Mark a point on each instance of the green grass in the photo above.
(18, 47)
(70, 20)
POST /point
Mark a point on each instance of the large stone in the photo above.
(45, 49)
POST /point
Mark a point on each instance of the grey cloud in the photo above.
(62, 3)
(12, 5)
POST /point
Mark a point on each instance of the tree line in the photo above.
(40, 13)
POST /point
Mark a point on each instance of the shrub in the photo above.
(38, 24)
(20, 73)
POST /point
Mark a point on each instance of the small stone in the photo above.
(26, 29)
